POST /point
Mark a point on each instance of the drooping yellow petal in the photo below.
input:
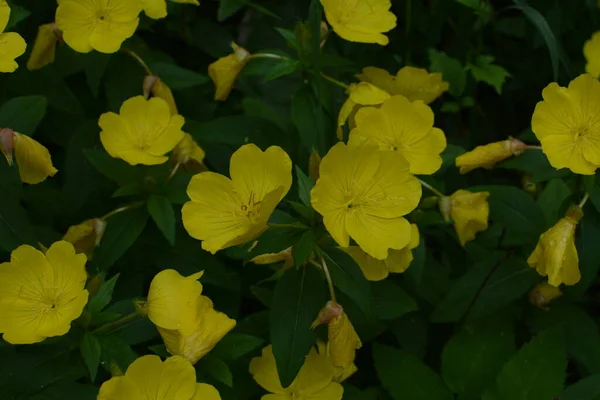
(489, 155)
(591, 51)
(44, 47)
(86, 236)
(225, 71)
(470, 212)
(155, 86)
(12, 45)
(33, 159)
(343, 341)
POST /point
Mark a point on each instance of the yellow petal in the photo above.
(86, 236)
(4, 14)
(44, 47)
(489, 155)
(372, 268)
(591, 51)
(33, 159)
(12, 46)
(225, 71)
(205, 391)
(187, 149)
(155, 9)
(543, 294)
(343, 341)
(160, 89)
(470, 212)
(264, 371)
(173, 300)
(173, 379)
(119, 388)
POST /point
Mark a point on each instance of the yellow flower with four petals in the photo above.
(12, 44)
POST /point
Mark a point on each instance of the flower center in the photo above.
(251, 209)
(582, 131)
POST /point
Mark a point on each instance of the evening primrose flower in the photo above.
(33, 159)
(101, 25)
(315, 380)
(143, 132)
(364, 193)
(567, 123)
(12, 44)
(591, 51)
(85, 237)
(410, 82)
(469, 211)
(44, 47)
(150, 378)
(40, 294)
(397, 261)
(489, 155)
(157, 9)
(362, 21)
(555, 255)
(225, 71)
(543, 294)
(227, 212)
(155, 86)
(359, 94)
(406, 128)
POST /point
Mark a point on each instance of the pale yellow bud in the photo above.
(489, 155)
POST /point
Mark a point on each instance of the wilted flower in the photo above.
(188, 150)
(157, 9)
(410, 82)
(40, 294)
(44, 47)
(101, 25)
(397, 261)
(567, 123)
(359, 94)
(314, 381)
(469, 211)
(555, 255)
(364, 193)
(85, 237)
(339, 374)
(225, 71)
(33, 159)
(543, 294)
(150, 378)
(489, 155)
(406, 128)
(12, 44)
(155, 86)
(227, 212)
(591, 51)
(284, 256)
(362, 21)
(143, 132)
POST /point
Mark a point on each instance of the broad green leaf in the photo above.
(116, 354)
(67, 391)
(122, 230)
(411, 331)
(586, 389)
(236, 345)
(15, 227)
(474, 356)
(176, 77)
(348, 277)
(103, 297)
(274, 240)
(305, 185)
(452, 71)
(298, 298)
(95, 67)
(17, 14)
(552, 199)
(162, 213)
(587, 248)
(404, 376)
(310, 120)
(592, 186)
(535, 163)
(390, 301)
(536, 372)
(114, 169)
(302, 250)
(216, 368)
(23, 114)
(485, 71)
(282, 68)
(227, 8)
(91, 351)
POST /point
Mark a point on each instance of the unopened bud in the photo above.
(94, 285)
(324, 30)
(543, 294)
(445, 204)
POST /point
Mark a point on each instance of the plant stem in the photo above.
(584, 200)
(268, 55)
(531, 147)
(174, 171)
(428, 186)
(139, 60)
(121, 209)
(329, 281)
(335, 81)
(111, 326)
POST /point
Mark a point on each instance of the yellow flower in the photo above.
(364, 193)
(362, 21)
(85, 237)
(225, 71)
(101, 25)
(12, 44)
(157, 9)
(410, 82)
(150, 378)
(227, 212)
(359, 94)
(187, 150)
(33, 159)
(143, 132)
(489, 155)
(403, 127)
(591, 51)
(567, 123)
(469, 211)
(314, 381)
(41, 294)
(555, 255)
(155, 86)
(44, 47)
(397, 261)
(543, 294)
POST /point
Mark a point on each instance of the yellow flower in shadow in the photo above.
(469, 211)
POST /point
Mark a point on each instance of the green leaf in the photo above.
(452, 71)
(536, 372)
(315, 17)
(104, 295)
(227, 8)
(552, 199)
(298, 298)
(236, 345)
(91, 351)
(404, 376)
(592, 186)
(474, 356)
(162, 213)
(485, 71)
(304, 248)
(282, 68)
(17, 14)
(216, 368)
(274, 240)
(535, 163)
(305, 185)
(290, 38)
(390, 300)
(114, 169)
(116, 353)
(122, 230)
(586, 389)
(95, 67)
(67, 391)
(23, 114)
(176, 77)
(310, 120)
(503, 281)
(348, 277)
(15, 227)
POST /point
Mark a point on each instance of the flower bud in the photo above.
(328, 313)
(314, 162)
(33, 159)
(86, 236)
(469, 212)
(543, 294)
(489, 155)
(7, 144)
